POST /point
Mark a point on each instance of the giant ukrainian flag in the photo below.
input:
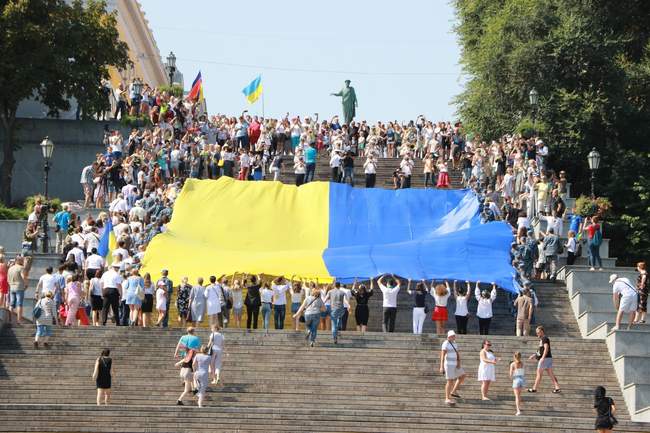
(325, 230)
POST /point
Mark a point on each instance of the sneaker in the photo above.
(518, 413)
(179, 403)
(336, 341)
(532, 390)
(311, 344)
(35, 344)
(307, 335)
(47, 345)
(592, 269)
(456, 395)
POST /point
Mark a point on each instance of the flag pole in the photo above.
(263, 104)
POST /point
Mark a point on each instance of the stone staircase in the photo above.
(370, 383)
(385, 168)
(591, 301)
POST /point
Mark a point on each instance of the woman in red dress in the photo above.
(4, 284)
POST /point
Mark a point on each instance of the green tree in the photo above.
(52, 51)
(590, 62)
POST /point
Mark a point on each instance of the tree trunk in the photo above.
(8, 161)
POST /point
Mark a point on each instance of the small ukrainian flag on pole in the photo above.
(253, 90)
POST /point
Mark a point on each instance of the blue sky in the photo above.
(402, 57)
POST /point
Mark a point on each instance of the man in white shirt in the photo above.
(77, 254)
(624, 296)
(119, 205)
(111, 283)
(94, 263)
(47, 283)
(92, 240)
(390, 291)
(279, 287)
(138, 211)
(335, 164)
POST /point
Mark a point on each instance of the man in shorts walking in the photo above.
(450, 365)
(544, 358)
(625, 299)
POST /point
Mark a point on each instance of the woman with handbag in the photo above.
(605, 410)
(102, 375)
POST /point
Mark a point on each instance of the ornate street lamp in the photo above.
(171, 64)
(594, 162)
(47, 148)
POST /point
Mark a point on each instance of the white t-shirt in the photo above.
(390, 295)
(452, 356)
(279, 296)
(94, 261)
(48, 283)
(111, 279)
(335, 160)
(461, 306)
(95, 287)
(267, 295)
(571, 245)
(441, 301)
(623, 286)
(77, 254)
(484, 310)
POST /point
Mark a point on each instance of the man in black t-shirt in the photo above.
(544, 361)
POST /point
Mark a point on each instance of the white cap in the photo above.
(451, 333)
(612, 278)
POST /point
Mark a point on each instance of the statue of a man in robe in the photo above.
(349, 102)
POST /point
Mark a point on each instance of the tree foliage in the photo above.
(590, 62)
(52, 51)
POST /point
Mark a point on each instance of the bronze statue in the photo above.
(349, 102)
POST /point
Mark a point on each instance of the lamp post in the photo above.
(533, 98)
(171, 64)
(47, 148)
(594, 162)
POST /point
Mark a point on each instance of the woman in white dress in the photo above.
(486, 368)
(197, 302)
(216, 348)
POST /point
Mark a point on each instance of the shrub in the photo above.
(174, 90)
(55, 203)
(586, 206)
(135, 121)
(11, 213)
(526, 128)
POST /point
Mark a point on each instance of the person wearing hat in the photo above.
(450, 365)
(624, 297)
(111, 283)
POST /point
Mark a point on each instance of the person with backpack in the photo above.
(605, 410)
(45, 316)
(594, 239)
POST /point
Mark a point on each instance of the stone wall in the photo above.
(76, 144)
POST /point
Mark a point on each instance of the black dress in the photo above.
(603, 408)
(103, 380)
(361, 311)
